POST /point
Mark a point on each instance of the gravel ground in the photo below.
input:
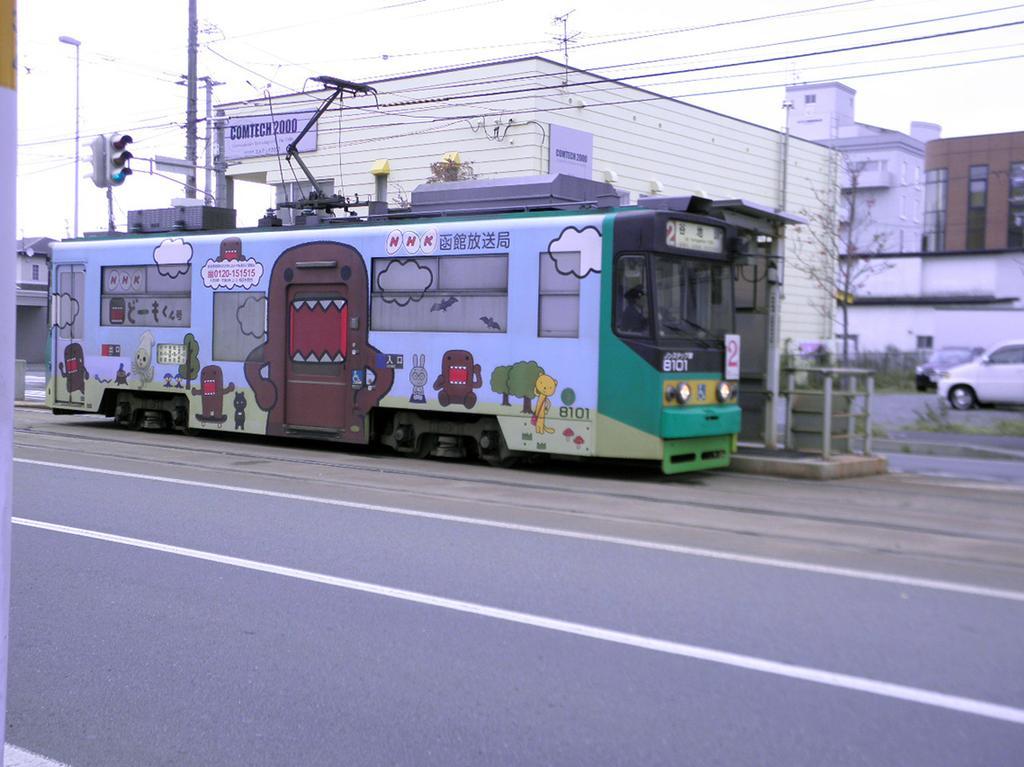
(900, 411)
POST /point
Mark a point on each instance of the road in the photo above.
(215, 600)
(958, 467)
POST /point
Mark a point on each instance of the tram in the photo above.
(495, 319)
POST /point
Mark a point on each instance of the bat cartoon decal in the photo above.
(443, 306)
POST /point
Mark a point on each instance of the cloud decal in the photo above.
(172, 257)
(577, 251)
(407, 277)
(252, 316)
(231, 274)
(67, 310)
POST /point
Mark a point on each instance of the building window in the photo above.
(936, 185)
(35, 271)
(924, 343)
(977, 196)
(810, 98)
(558, 313)
(1015, 234)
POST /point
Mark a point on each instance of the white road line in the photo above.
(751, 663)
(19, 757)
(899, 580)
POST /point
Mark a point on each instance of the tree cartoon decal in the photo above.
(189, 369)
(521, 381)
(499, 382)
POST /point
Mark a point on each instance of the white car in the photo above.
(994, 378)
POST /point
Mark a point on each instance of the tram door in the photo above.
(319, 395)
(68, 310)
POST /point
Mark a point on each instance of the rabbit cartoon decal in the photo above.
(418, 379)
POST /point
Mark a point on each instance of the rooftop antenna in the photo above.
(565, 39)
(317, 199)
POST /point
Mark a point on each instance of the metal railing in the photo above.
(813, 421)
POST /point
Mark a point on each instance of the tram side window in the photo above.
(70, 290)
(239, 324)
(632, 298)
(453, 294)
(558, 310)
(146, 296)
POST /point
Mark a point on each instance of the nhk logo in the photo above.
(411, 242)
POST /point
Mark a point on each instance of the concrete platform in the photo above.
(789, 463)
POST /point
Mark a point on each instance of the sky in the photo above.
(735, 58)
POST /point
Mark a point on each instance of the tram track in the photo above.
(243, 462)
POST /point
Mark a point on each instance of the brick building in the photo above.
(974, 193)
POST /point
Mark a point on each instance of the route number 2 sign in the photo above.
(732, 357)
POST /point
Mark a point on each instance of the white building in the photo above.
(885, 167)
(926, 301)
(32, 277)
(512, 118)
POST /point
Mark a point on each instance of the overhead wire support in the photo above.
(317, 198)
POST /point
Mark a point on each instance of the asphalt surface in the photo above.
(458, 614)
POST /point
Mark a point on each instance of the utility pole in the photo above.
(210, 83)
(774, 286)
(72, 41)
(190, 109)
(225, 195)
(8, 164)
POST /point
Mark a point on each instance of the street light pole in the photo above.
(72, 41)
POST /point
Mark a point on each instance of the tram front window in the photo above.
(693, 298)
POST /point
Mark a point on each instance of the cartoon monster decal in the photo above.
(212, 389)
(230, 249)
(73, 368)
(317, 369)
(240, 402)
(142, 362)
(418, 379)
(459, 376)
(543, 388)
(231, 269)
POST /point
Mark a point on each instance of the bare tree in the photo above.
(450, 168)
(845, 252)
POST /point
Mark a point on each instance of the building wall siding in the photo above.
(640, 137)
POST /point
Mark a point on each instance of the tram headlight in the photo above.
(680, 393)
(724, 391)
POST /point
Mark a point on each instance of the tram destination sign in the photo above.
(691, 236)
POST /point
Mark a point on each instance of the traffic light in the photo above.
(117, 159)
(99, 161)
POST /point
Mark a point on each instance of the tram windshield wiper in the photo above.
(699, 336)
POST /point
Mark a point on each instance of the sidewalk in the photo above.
(756, 459)
(952, 444)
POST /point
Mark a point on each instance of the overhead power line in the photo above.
(750, 62)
